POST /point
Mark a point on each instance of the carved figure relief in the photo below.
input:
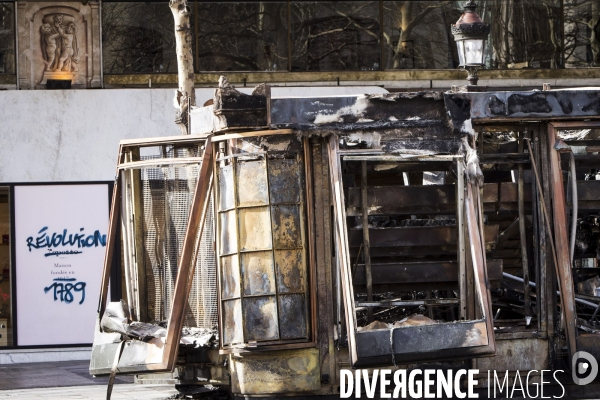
(60, 48)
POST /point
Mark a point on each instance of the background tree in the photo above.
(185, 97)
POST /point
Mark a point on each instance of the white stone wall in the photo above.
(73, 135)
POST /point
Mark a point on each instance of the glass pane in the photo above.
(7, 39)
(138, 38)
(474, 51)
(292, 316)
(228, 232)
(257, 269)
(460, 46)
(252, 182)
(230, 277)
(329, 36)
(284, 181)
(581, 33)
(417, 34)
(286, 227)
(226, 199)
(255, 229)
(6, 317)
(524, 34)
(291, 276)
(260, 316)
(232, 322)
(250, 36)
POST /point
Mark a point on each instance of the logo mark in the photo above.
(583, 363)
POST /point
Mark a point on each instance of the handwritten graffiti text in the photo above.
(63, 289)
(56, 240)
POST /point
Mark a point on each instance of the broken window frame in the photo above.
(306, 217)
(364, 346)
(564, 267)
(157, 354)
(518, 161)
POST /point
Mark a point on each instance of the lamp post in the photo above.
(470, 34)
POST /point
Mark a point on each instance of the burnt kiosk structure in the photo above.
(286, 239)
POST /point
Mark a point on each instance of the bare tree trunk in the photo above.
(410, 18)
(185, 96)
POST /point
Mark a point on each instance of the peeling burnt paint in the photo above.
(497, 106)
(395, 145)
(531, 103)
(283, 143)
(286, 224)
(393, 111)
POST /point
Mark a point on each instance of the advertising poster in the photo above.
(60, 239)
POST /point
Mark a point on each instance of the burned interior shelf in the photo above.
(401, 157)
(400, 303)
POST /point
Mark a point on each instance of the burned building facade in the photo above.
(448, 229)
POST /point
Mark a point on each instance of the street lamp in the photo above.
(470, 34)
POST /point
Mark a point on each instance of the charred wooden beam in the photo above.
(415, 236)
(407, 303)
(419, 272)
(412, 251)
(366, 242)
(393, 200)
(588, 190)
(563, 260)
(522, 235)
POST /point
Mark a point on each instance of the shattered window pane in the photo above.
(232, 320)
(255, 228)
(284, 185)
(7, 38)
(230, 278)
(252, 179)
(260, 317)
(291, 276)
(287, 233)
(259, 276)
(292, 314)
(138, 38)
(268, 270)
(335, 36)
(228, 232)
(248, 36)
(226, 197)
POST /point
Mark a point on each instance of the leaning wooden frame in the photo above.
(564, 264)
(159, 353)
(397, 345)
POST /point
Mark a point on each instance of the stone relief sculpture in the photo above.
(60, 49)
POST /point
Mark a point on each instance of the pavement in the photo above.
(70, 380)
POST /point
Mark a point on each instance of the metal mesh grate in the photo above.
(167, 196)
(202, 310)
